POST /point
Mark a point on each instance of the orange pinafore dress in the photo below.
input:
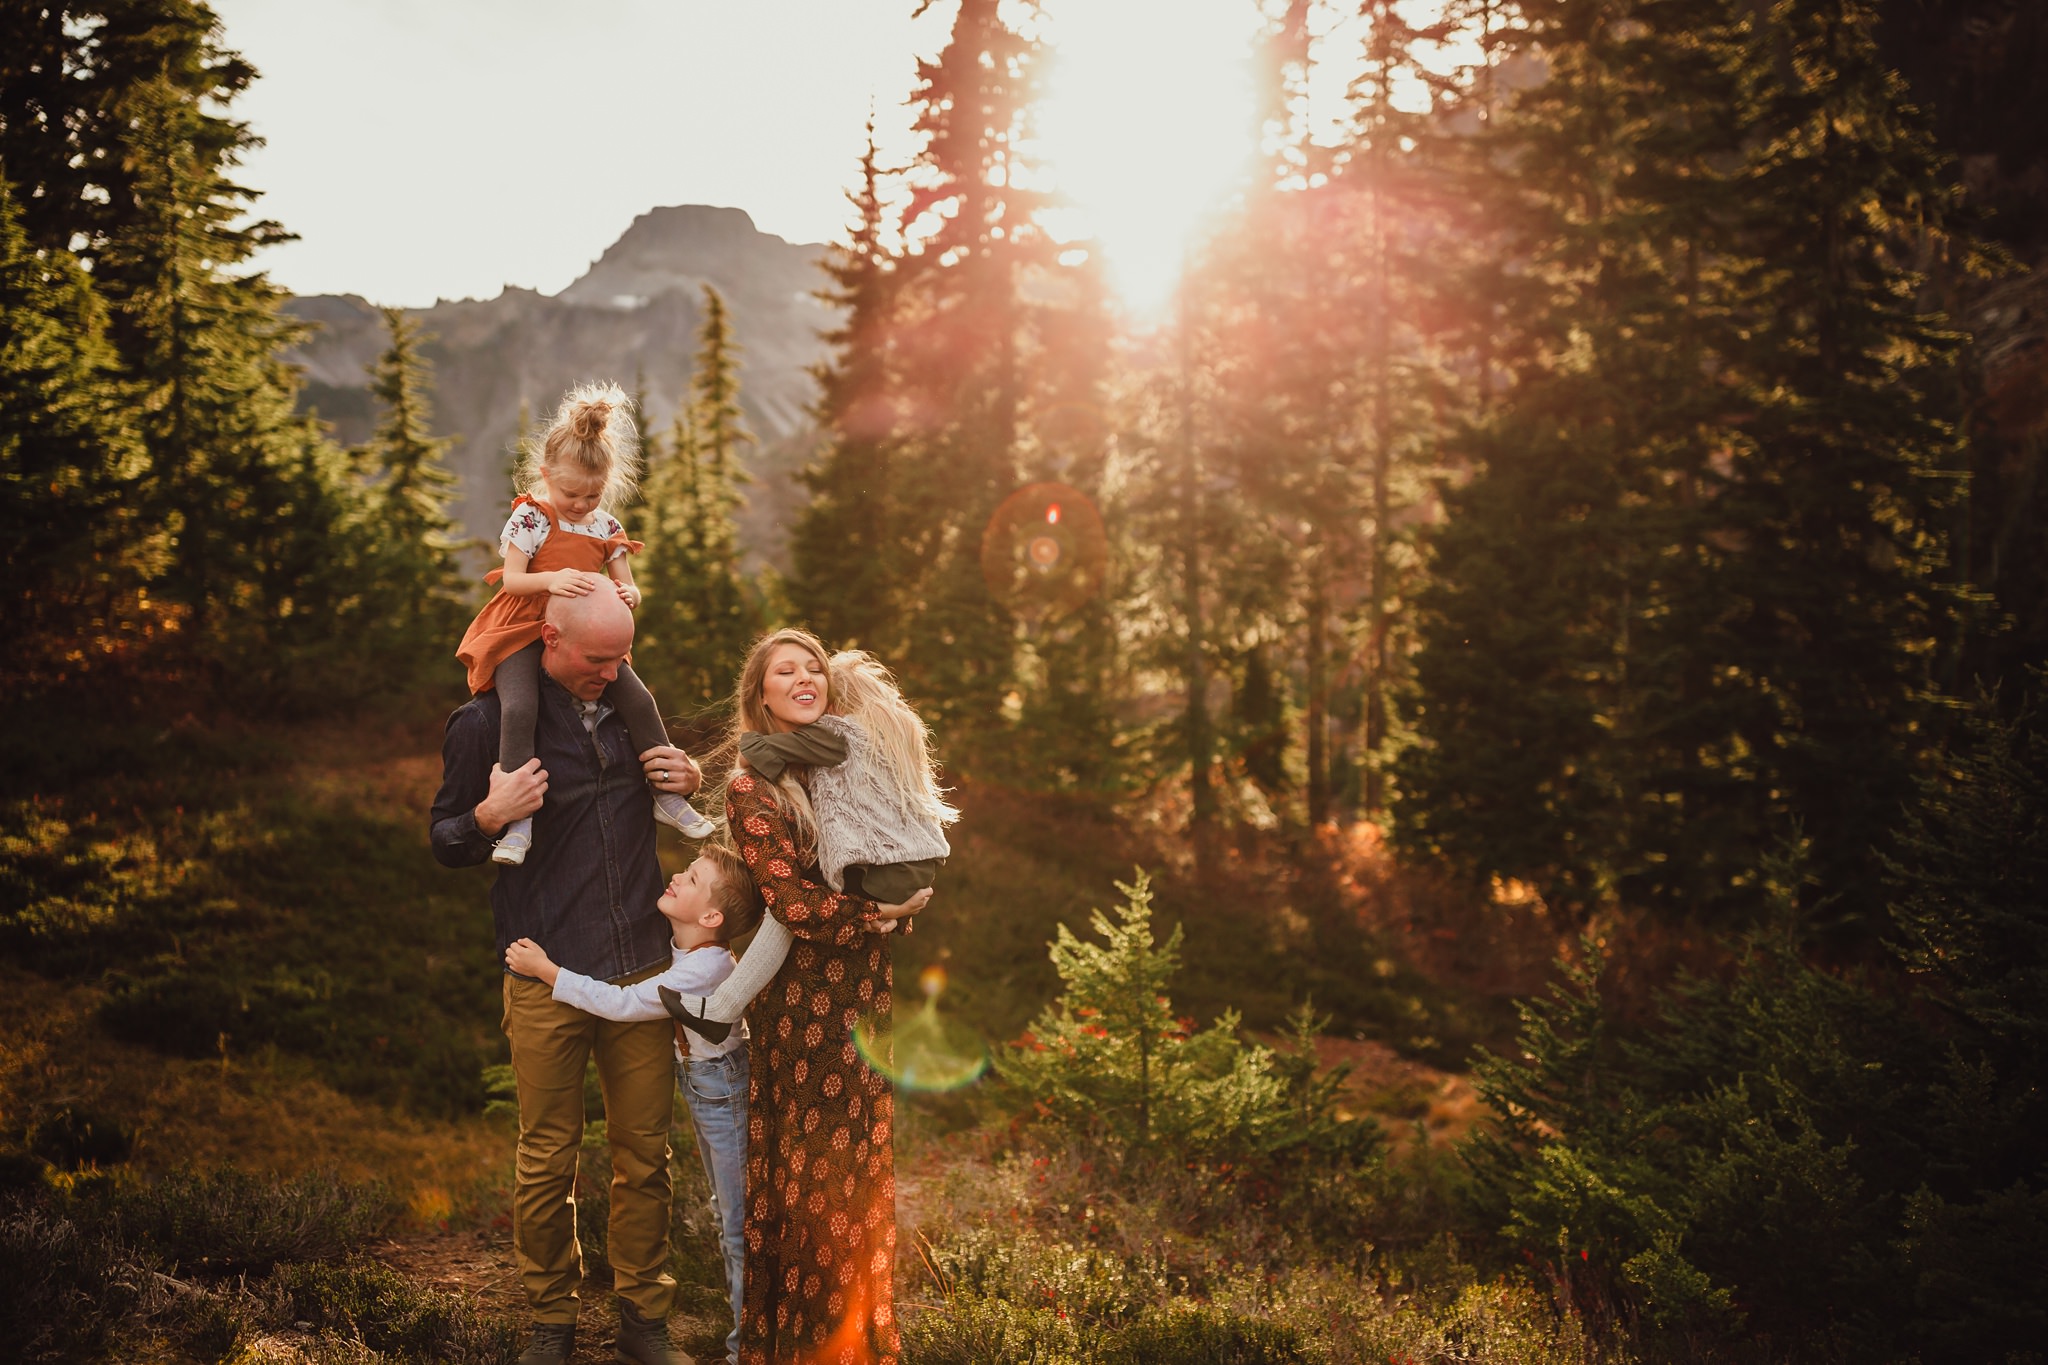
(508, 624)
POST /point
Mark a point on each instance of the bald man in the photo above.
(587, 895)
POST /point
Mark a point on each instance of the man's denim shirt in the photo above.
(587, 889)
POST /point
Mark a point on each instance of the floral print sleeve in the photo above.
(808, 909)
(524, 530)
(612, 530)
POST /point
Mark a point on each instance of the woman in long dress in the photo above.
(821, 1171)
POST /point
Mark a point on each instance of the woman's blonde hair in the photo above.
(863, 689)
(592, 432)
(751, 716)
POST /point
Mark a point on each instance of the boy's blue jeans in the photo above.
(716, 1090)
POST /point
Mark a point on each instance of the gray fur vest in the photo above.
(859, 819)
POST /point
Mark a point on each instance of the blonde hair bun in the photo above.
(591, 432)
(589, 420)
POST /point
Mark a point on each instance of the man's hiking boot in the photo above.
(552, 1343)
(645, 1343)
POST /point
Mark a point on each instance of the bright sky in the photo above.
(430, 149)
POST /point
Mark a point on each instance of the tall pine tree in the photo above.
(699, 616)
(73, 551)
(1688, 603)
(114, 132)
(845, 555)
(411, 526)
(970, 362)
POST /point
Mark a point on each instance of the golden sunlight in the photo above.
(1148, 126)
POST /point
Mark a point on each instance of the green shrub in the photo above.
(969, 1330)
(361, 1300)
(77, 1138)
(1203, 1334)
(1783, 1153)
(1499, 1323)
(65, 1290)
(74, 896)
(231, 1222)
(1110, 1060)
(1089, 1284)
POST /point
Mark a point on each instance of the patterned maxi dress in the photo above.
(821, 1170)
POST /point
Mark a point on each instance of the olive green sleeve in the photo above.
(811, 746)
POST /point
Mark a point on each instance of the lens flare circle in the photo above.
(922, 1051)
(1044, 553)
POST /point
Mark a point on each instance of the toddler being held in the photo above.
(879, 809)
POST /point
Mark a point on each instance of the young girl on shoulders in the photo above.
(874, 797)
(561, 542)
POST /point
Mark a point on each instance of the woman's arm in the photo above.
(804, 907)
(757, 968)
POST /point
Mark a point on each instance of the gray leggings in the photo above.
(518, 684)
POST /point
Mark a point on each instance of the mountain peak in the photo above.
(685, 246)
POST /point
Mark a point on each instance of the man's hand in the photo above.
(513, 796)
(572, 583)
(530, 959)
(886, 916)
(671, 770)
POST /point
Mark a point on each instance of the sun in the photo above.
(1147, 127)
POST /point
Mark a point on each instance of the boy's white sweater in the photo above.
(694, 971)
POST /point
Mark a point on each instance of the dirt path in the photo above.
(475, 1265)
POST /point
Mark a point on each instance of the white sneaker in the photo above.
(677, 813)
(514, 842)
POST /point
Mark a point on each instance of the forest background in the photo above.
(1594, 511)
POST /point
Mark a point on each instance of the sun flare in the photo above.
(1147, 127)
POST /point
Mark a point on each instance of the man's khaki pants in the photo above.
(636, 1066)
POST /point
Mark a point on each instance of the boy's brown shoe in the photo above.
(642, 1342)
(552, 1343)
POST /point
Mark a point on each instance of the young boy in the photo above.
(707, 905)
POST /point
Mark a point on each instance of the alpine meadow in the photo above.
(1488, 632)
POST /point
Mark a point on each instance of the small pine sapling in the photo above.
(1111, 1061)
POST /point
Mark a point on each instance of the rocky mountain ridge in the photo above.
(633, 317)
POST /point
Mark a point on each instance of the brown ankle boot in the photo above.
(644, 1342)
(552, 1343)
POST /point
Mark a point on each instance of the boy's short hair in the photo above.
(735, 895)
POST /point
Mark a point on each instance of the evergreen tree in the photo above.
(1971, 860)
(969, 363)
(70, 78)
(1401, 235)
(845, 557)
(1688, 602)
(1826, 1161)
(698, 617)
(113, 130)
(204, 345)
(1109, 1058)
(73, 552)
(966, 336)
(412, 527)
(1848, 457)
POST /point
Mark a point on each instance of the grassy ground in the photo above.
(230, 944)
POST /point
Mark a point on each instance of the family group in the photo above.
(827, 837)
